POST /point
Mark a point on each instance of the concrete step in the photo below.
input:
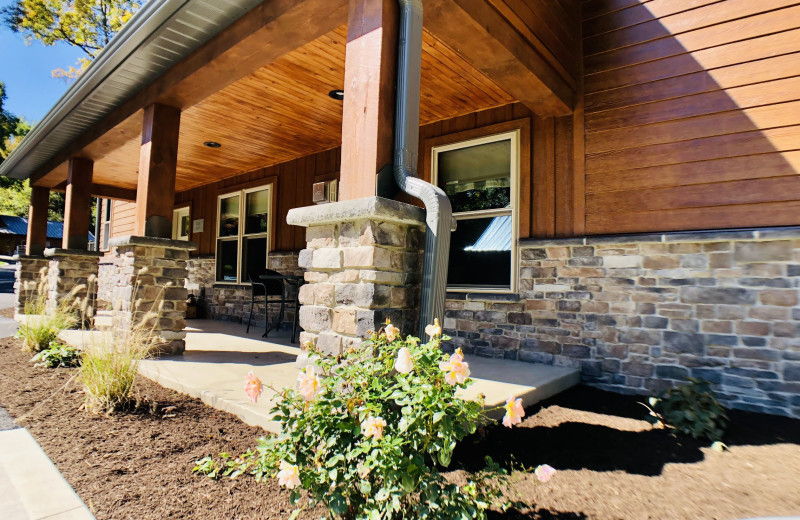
(498, 379)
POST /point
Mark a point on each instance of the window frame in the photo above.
(514, 136)
(176, 221)
(105, 228)
(242, 192)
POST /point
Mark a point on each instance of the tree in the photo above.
(86, 24)
(12, 128)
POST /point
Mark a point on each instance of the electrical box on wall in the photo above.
(324, 192)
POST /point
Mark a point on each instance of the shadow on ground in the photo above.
(578, 445)
(538, 514)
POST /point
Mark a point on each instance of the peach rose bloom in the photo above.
(308, 383)
(435, 329)
(252, 386)
(514, 412)
(289, 475)
(391, 331)
(373, 427)
(404, 364)
(457, 370)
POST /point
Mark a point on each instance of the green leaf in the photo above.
(438, 417)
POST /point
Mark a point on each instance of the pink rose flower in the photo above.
(252, 386)
(289, 475)
(544, 472)
(457, 370)
(514, 412)
(308, 383)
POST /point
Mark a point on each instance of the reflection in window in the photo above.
(478, 177)
(243, 249)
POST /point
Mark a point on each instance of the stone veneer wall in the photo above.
(232, 302)
(105, 283)
(640, 313)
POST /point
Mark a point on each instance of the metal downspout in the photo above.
(439, 213)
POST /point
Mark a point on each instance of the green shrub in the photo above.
(58, 355)
(691, 409)
(366, 434)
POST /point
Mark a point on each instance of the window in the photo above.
(243, 224)
(480, 176)
(180, 223)
(106, 231)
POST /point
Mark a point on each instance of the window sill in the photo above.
(483, 296)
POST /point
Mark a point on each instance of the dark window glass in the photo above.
(254, 256)
(256, 212)
(229, 216)
(480, 253)
(227, 253)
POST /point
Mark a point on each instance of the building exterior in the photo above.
(13, 232)
(623, 174)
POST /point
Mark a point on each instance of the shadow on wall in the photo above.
(692, 115)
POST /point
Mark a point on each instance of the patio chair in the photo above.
(266, 292)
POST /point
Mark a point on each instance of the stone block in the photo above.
(754, 252)
(718, 295)
(672, 372)
(326, 259)
(683, 343)
(315, 318)
(784, 298)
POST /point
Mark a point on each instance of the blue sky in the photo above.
(25, 69)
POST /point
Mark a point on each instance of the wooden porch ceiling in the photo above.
(283, 111)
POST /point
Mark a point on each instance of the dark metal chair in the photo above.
(265, 291)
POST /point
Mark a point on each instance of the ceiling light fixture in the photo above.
(338, 95)
(212, 144)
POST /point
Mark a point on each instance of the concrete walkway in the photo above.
(219, 354)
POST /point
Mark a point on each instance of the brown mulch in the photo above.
(7, 312)
(611, 464)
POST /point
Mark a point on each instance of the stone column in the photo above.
(31, 281)
(150, 276)
(363, 262)
(72, 277)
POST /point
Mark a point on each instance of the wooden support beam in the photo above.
(37, 221)
(369, 95)
(77, 204)
(158, 160)
(104, 191)
(479, 33)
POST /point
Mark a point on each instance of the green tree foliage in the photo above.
(12, 128)
(86, 24)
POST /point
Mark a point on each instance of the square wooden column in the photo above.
(77, 204)
(158, 160)
(37, 221)
(369, 95)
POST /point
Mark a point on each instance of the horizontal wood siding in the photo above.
(692, 114)
(123, 218)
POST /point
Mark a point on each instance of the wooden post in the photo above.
(77, 204)
(37, 221)
(158, 160)
(369, 95)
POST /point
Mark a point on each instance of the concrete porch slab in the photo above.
(219, 354)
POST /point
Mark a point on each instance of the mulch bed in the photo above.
(611, 464)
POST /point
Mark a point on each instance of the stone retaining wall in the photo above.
(640, 313)
(31, 282)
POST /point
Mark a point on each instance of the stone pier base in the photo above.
(31, 283)
(148, 288)
(72, 280)
(363, 262)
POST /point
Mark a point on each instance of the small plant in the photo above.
(366, 434)
(691, 409)
(42, 325)
(58, 355)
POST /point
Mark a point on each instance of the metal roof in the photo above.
(496, 236)
(10, 225)
(159, 36)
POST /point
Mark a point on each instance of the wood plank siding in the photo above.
(692, 114)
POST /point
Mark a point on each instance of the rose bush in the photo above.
(366, 434)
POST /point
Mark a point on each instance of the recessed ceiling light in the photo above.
(212, 144)
(338, 95)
